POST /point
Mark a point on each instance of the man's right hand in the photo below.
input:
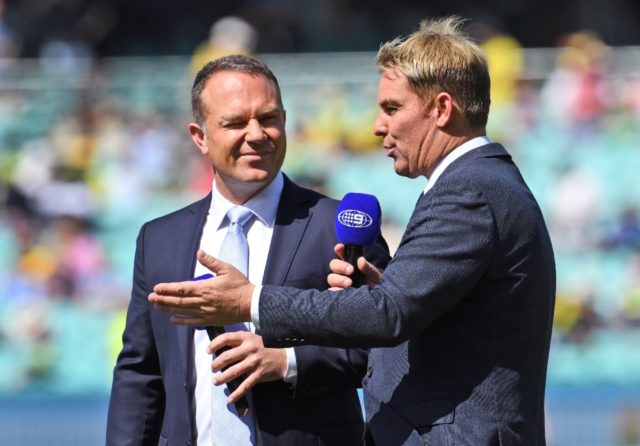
(341, 271)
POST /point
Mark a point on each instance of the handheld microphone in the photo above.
(242, 405)
(358, 220)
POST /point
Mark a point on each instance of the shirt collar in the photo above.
(264, 205)
(456, 153)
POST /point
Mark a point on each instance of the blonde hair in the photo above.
(440, 57)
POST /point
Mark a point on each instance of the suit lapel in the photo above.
(292, 220)
(194, 224)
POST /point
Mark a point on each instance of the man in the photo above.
(459, 323)
(162, 388)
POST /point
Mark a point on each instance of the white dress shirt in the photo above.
(440, 167)
(259, 231)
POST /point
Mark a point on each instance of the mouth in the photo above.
(389, 150)
(255, 155)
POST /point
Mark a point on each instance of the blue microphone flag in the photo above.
(358, 219)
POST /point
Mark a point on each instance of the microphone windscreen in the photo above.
(358, 219)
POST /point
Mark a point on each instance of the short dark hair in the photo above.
(236, 62)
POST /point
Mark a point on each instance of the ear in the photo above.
(197, 135)
(444, 108)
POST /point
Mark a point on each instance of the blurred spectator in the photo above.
(506, 65)
(577, 92)
(61, 58)
(626, 230)
(80, 258)
(65, 194)
(152, 149)
(228, 35)
(575, 317)
(574, 207)
(62, 259)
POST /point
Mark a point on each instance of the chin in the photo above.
(403, 171)
(259, 176)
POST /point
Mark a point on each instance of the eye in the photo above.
(233, 125)
(269, 119)
(390, 109)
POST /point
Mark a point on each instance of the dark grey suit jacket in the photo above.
(461, 323)
(152, 394)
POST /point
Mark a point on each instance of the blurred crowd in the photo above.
(87, 157)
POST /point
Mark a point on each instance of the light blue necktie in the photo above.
(228, 428)
(235, 249)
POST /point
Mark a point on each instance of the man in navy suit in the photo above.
(163, 380)
(459, 323)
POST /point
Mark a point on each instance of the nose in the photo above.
(255, 132)
(380, 127)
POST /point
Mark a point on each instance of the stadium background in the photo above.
(94, 100)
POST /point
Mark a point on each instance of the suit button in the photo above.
(369, 372)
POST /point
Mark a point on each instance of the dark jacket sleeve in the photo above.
(324, 368)
(445, 249)
(136, 407)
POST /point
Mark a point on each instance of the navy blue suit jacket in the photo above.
(461, 323)
(152, 395)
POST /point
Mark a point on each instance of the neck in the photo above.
(238, 192)
(448, 141)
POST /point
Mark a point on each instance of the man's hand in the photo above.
(222, 300)
(341, 271)
(247, 358)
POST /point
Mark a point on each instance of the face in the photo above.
(407, 125)
(244, 134)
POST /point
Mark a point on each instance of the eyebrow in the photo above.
(388, 102)
(234, 118)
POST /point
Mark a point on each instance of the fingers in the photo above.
(211, 263)
(189, 321)
(179, 289)
(265, 365)
(370, 271)
(247, 360)
(340, 271)
(338, 281)
(232, 372)
(339, 249)
(341, 267)
(236, 362)
(228, 339)
(243, 388)
(172, 301)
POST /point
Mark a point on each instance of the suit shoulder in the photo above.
(484, 170)
(315, 199)
(179, 215)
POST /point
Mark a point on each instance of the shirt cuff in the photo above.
(291, 375)
(255, 306)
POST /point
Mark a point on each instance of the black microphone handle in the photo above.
(242, 405)
(351, 255)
